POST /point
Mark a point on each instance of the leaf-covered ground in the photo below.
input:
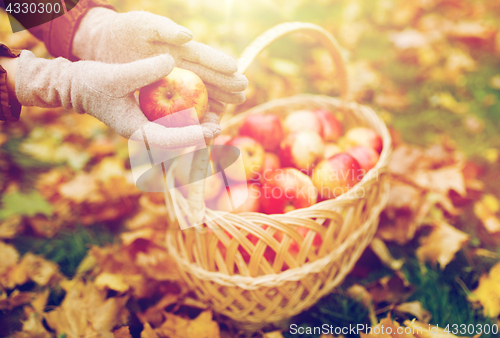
(82, 249)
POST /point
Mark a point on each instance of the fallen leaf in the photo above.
(122, 332)
(441, 180)
(485, 210)
(86, 310)
(148, 332)
(415, 309)
(488, 292)
(111, 281)
(202, 326)
(391, 289)
(15, 299)
(32, 326)
(382, 252)
(9, 255)
(10, 227)
(441, 245)
(359, 293)
(274, 334)
(81, 188)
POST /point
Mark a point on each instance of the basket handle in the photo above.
(322, 35)
(200, 161)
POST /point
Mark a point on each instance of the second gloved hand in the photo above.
(111, 37)
(105, 91)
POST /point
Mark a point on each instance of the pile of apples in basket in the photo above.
(294, 163)
(290, 164)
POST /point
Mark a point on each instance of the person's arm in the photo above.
(10, 66)
(10, 108)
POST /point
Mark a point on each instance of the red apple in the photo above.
(285, 190)
(331, 149)
(336, 175)
(271, 163)
(361, 136)
(238, 193)
(180, 90)
(302, 120)
(265, 129)
(301, 150)
(366, 157)
(252, 154)
(331, 129)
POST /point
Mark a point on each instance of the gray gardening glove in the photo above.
(105, 91)
(107, 36)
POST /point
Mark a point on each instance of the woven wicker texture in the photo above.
(253, 291)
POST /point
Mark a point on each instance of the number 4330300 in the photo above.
(33, 8)
(471, 329)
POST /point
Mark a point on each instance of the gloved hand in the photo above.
(105, 91)
(107, 36)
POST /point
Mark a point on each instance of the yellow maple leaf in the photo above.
(488, 292)
(485, 210)
(202, 326)
(86, 310)
(441, 245)
(112, 281)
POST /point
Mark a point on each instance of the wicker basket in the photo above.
(256, 293)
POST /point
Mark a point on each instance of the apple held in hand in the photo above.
(302, 120)
(366, 157)
(361, 136)
(285, 190)
(336, 175)
(331, 129)
(265, 129)
(301, 150)
(180, 90)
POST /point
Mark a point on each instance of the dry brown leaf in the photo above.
(488, 292)
(148, 332)
(485, 210)
(112, 281)
(81, 188)
(441, 180)
(382, 252)
(404, 159)
(86, 310)
(274, 334)
(359, 293)
(202, 326)
(15, 299)
(122, 332)
(415, 309)
(10, 227)
(441, 245)
(9, 255)
(404, 196)
(33, 326)
(154, 314)
(393, 290)
(38, 269)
